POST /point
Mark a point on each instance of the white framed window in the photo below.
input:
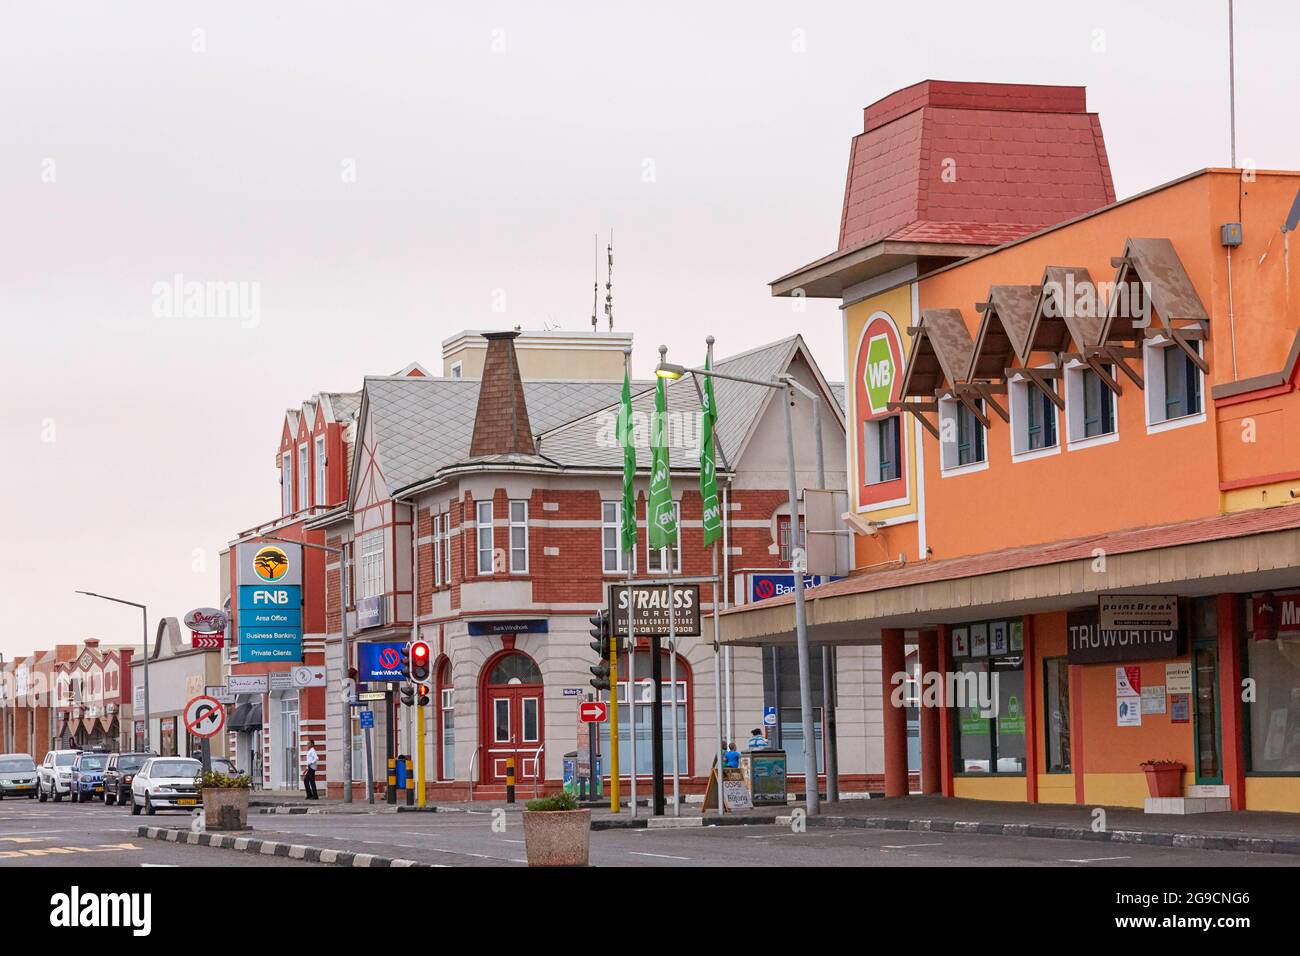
(1175, 385)
(1090, 412)
(304, 476)
(446, 548)
(455, 369)
(370, 564)
(318, 495)
(483, 531)
(882, 446)
(658, 560)
(437, 551)
(519, 537)
(611, 537)
(286, 483)
(962, 442)
(1034, 421)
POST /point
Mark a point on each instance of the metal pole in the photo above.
(614, 801)
(828, 653)
(672, 692)
(801, 623)
(657, 724)
(1232, 86)
(717, 671)
(148, 724)
(370, 765)
(631, 686)
(419, 751)
(346, 709)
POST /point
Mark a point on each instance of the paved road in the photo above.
(67, 834)
(470, 839)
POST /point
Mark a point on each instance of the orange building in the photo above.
(1099, 560)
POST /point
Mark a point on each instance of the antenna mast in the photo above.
(609, 281)
(595, 277)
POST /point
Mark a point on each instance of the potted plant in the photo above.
(556, 831)
(225, 800)
(1164, 777)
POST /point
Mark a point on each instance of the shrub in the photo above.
(220, 781)
(561, 801)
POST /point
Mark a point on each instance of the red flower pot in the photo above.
(1164, 779)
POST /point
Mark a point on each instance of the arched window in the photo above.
(515, 669)
(446, 723)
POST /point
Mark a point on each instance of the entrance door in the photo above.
(1209, 767)
(513, 720)
(289, 741)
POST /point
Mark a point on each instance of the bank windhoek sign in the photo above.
(1087, 642)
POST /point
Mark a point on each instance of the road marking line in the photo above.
(160, 864)
(906, 846)
(1099, 859)
(662, 856)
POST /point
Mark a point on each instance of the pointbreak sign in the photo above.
(204, 716)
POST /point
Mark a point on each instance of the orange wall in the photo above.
(1141, 479)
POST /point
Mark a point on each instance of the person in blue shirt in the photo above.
(731, 756)
(757, 741)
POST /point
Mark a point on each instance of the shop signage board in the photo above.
(370, 612)
(1180, 708)
(269, 591)
(247, 684)
(207, 642)
(650, 609)
(960, 642)
(1087, 643)
(305, 676)
(281, 680)
(1128, 682)
(1128, 712)
(735, 792)
(372, 695)
(1178, 677)
(1138, 612)
(380, 661)
(1153, 699)
(1274, 614)
(761, 586)
(489, 628)
(205, 620)
(220, 693)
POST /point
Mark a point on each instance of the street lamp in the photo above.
(786, 383)
(144, 623)
(345, 723)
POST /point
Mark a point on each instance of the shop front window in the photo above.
(781, 690)
(989, 708)
(644, 707)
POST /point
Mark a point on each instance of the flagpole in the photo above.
(631, 635)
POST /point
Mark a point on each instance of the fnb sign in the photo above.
(254, 596)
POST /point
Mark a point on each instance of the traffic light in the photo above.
(423, 690)
(405, 663)
(420, 661)
(408, 695)
(602, 631)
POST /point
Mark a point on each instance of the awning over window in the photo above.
(1067, 311)
(246, 716)
(1004, 330)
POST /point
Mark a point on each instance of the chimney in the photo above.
(501, 422)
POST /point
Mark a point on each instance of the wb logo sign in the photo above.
(878, 373)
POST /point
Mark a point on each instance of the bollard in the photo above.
(510, 780)
(392, 780)
(410, 784)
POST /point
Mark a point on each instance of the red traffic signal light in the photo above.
(420, 661)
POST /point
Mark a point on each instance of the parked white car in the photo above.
(166, 783)
(17, 776)
(54, 779)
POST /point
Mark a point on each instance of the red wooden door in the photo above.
(513, 727)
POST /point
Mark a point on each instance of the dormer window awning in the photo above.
(1008, 312)
(1067, 310)
(1150, 280)
(941, 353)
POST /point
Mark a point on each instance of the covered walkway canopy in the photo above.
(1246, 551)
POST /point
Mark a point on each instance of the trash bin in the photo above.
(764, 772)
(402, 764)
(571, 772)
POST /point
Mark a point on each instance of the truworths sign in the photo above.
(269, 584)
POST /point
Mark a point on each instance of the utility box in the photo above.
(764, 773)
(1230, 234)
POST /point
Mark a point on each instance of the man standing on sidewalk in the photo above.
(309, 775)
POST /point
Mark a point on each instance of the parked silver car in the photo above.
(17, 776)
(166, 783)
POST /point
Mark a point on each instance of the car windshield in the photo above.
(175, 768)
(64, 760)
(92, 763)
(17, 765)
(130, 763)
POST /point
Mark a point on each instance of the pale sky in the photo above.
(489, 142)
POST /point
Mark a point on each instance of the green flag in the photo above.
(712, 520)
(660, 515)
(625, 439)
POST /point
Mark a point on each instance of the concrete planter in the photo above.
(225, 809)
(1164, 779)
(557, 837)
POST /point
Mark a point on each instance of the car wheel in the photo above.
(148, 806)
(135, 807)
(72, 795)
(54, 792)
(109, 800)
(40, 792)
